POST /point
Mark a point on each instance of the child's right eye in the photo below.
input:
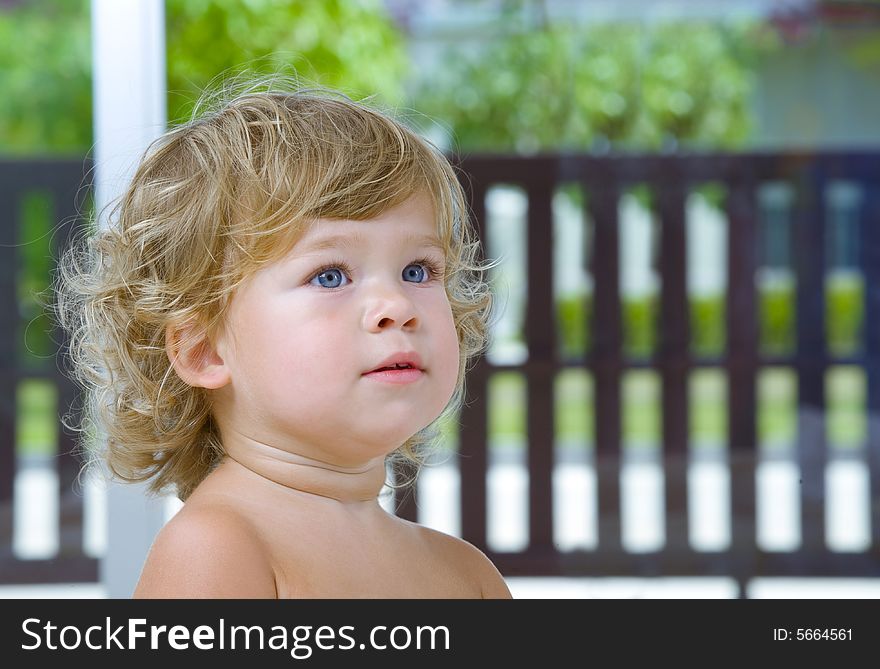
(331, 276)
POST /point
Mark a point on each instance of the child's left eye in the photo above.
(425, 270)
(417, 273)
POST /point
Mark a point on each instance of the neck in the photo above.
(361, 483)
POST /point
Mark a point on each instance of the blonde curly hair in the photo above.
(211, 202)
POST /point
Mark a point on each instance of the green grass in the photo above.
(641, 413)
(777, 408)
(846, 390)
(507, 407)
(37, 424)
(574, 391)
(708, 400)
(640, 409)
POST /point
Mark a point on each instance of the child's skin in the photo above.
(292, 511)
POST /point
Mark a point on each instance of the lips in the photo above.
(404, 365)
(397, 361)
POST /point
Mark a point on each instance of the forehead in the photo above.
(411, 223)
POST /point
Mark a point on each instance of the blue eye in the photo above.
(415, 273)
(331, 277)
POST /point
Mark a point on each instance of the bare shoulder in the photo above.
(469, 559)
(207, 552)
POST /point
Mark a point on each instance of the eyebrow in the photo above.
(348, 241)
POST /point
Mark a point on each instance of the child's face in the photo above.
(303, 332)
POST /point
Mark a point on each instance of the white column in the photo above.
(128, 56)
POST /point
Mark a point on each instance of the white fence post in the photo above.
(128, 56)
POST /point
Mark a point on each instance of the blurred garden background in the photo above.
(518, 77)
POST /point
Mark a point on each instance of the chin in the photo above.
(387, 442)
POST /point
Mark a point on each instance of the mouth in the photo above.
(403, 375)
(405, 369)
(394, 368)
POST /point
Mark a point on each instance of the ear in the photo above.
(194, 357)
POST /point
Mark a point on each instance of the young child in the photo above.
(286, 298)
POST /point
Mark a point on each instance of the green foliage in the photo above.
(844, 317)
(708, 327)
(574, 398)
(862, 49)
(352, 46)
(623, 85)
(507, 401)
(45, 49)
(776, 325)
(36, 412)
(639, 325)
(45, 78)
(530, 88)
(513, 97)
(605, 77)
(32, 281)
(844, 313)
(694, 87)
(574, 316)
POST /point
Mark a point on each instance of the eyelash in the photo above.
(435, 270)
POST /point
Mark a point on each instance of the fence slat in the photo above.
(742, 324)
(606, 355)
(808, 222)
(540, 335)
(8, 373)
(474, 429)
(672, 356)
(64, 186)
(742, 360)
(870, 263)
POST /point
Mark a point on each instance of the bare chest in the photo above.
(393, 562)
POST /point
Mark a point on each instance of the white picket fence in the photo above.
(35, 534)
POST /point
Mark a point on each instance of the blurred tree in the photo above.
(510, 97)
(696, 83)
(45, 78)
(351, 46)
(636, 85)
(605, 73)
(46, 75)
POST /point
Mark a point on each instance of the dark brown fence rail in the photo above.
(604, 179)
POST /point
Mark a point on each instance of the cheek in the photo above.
(287, 346)
(448, 350)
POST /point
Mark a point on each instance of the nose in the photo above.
(389, 307)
